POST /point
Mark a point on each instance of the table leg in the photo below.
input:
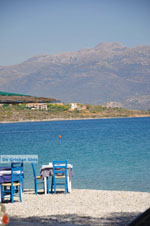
(45, 185)
(69, 184)
(0, 192)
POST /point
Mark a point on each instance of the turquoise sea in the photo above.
(109, 154)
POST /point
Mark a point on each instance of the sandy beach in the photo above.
(81, 207)
(71, 118)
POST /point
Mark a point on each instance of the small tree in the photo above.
(6, 106)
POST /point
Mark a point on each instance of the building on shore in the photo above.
(37, 106)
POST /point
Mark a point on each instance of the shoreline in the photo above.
(80, 207)
(71, 119)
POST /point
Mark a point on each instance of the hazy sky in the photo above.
(31, 27)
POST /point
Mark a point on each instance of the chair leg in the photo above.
(47, 181)
(22, 183)
(35, 186)
(1, 192)
(12, 194)
(66, 186)
(20, 193)
(52, 183)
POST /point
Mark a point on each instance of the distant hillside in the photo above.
(110, 72)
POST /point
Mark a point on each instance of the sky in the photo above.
(34, 27)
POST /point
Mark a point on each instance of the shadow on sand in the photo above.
(114, 219)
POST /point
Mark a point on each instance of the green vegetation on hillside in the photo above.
(15, 113)
(57, 108)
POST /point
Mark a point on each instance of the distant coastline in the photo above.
(56, 112)
(67, 119)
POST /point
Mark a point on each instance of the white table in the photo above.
(47, 170)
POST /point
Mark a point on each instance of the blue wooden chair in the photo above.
(59, 175)
(22, 175)
(13, 188)
(38, 180)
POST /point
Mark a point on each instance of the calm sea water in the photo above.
(110, 154)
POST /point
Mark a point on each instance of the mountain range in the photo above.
(109, 72)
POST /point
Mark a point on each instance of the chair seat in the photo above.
(38, 177)
(9, 184)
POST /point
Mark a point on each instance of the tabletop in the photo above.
(5, 174)
(47, 170)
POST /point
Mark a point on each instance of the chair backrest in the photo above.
(34, 172)
(60, 167)
(16, 171)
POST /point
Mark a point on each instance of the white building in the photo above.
(38, 106)
(73, 106)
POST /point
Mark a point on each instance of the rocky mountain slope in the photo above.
(110, 72)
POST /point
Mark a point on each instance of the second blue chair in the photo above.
(38, 180)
